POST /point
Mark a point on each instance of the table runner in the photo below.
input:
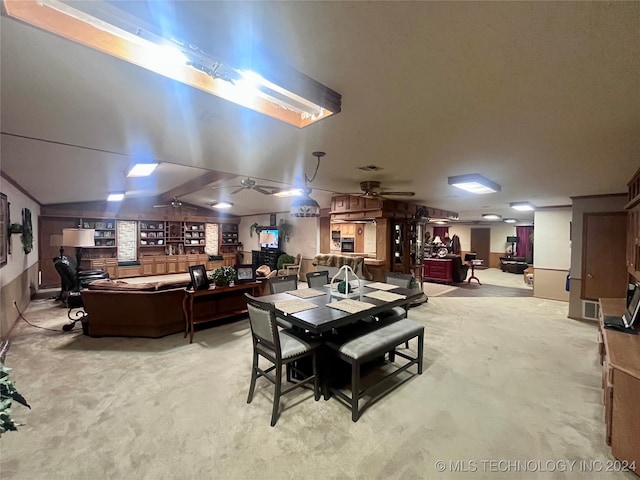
(306, 292)
(381, 286)
(351, 306)
(294, 306)
(385, 296)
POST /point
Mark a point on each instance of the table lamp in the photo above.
(79, 238)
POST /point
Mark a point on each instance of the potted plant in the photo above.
(223, 276)
(8, 394)
(285, 229)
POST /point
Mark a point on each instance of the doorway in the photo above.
(480, 243)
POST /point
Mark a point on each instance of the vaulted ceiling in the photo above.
(541, 97)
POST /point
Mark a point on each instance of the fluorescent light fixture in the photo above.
(522, 206)
(292, 192)
(142, 169)
(440, 222)
(115, 197)
(474, 183)
(510, 220)
(491, 216)
(222, 205)
(286, 95)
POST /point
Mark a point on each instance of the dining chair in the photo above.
(317, 279)
(404, 280)
(281, 348)
(283, 283)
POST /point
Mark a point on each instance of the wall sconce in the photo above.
(474, 183)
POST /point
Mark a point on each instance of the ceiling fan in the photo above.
(175, 203)
(372, 188)
(250, 184)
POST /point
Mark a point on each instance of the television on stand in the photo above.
(270, 238)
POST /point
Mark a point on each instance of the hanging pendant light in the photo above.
(306, 206)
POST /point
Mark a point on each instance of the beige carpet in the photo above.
(505, 379)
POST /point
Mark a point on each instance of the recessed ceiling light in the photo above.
(292, 192)
(491, 216)
(142, 169)
(510, 220)
(115, 197)
(222, 205)
(522, 206)
(474, 183)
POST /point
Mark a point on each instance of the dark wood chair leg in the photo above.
(254, 376)
(276, 397)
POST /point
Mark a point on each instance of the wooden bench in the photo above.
(360, 348)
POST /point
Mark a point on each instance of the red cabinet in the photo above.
(438, 270)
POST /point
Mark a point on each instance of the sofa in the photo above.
(117, 308)
(513, 264)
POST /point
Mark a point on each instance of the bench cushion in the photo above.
(379, 340)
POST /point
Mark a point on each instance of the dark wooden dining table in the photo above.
(324, 319)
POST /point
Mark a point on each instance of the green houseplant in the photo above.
(8, 394)
(222, 276)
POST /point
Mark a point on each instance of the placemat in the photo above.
(294, 306)
(385, 296)
(381, 286)
(351, 306)
(306, 292)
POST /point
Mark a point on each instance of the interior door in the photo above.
(480, 243)
(604, 272)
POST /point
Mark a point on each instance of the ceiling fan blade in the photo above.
(400, 194)
(237, 190)
(161, 206)
(262, 189)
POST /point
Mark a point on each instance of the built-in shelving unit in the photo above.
(104, 231)
(194, 236)
(152, 234)
(229, 238)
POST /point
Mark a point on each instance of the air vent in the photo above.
(370, 168)
(590, 310)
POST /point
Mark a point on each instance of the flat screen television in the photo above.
(513, 239)
(270, 238)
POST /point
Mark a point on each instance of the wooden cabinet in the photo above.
(438, 270)
(348, 230)
(146, 264)
(182, 263)
(633, 226)
(620, 358)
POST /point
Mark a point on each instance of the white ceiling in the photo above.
(541, 97)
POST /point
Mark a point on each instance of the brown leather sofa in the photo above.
(134, 310)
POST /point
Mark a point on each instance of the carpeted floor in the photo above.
(509, 383)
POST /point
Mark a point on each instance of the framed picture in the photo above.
(199, 279)
(109, 225)
(246, 273)
(86, 225)
(4, 228)
(99, 225)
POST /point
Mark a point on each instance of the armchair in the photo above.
(291, 268)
